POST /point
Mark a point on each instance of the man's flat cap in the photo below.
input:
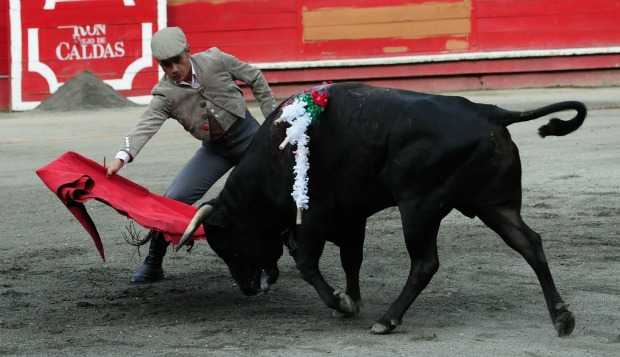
(168, 42)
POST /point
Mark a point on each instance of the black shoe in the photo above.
(151, 270)
(147, 273)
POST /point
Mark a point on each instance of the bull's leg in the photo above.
(351, 256)
(507, 222)
(421, 240)
(310, 243)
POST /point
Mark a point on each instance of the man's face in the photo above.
(178, 68)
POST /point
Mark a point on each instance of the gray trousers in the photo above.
(212, 160)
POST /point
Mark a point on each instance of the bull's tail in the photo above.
(555, 126)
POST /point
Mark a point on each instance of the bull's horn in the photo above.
(198, 218)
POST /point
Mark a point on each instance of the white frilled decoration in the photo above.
(299, 114)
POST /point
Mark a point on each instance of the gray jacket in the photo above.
(219, 100)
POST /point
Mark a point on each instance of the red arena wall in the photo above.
(274, 30)
(433, 45)
(54, 40)
(429, 45)
(4, 54)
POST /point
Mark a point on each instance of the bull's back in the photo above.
(370, 139)
(373, 123)
(386, 111)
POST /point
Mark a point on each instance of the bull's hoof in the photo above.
(381, 329)
(346, 305)
(564, 323)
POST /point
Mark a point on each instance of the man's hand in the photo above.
(114, 166)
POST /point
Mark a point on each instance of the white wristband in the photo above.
(123, 155)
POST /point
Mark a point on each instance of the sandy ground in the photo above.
(57, 298)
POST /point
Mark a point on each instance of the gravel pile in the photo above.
(82, 92)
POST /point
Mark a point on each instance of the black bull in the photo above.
(374, 148)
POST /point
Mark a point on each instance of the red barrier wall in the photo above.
(4, 55)
(532, 42)
(535, 24)
(423, 44)
(54, 40)
(275, 30)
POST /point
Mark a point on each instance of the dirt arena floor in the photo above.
(57, 298)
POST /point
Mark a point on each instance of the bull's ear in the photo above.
(218, 218)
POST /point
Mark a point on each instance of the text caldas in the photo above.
(88, 43)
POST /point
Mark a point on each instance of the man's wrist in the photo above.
(123, 156)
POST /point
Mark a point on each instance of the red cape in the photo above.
(76, 179)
